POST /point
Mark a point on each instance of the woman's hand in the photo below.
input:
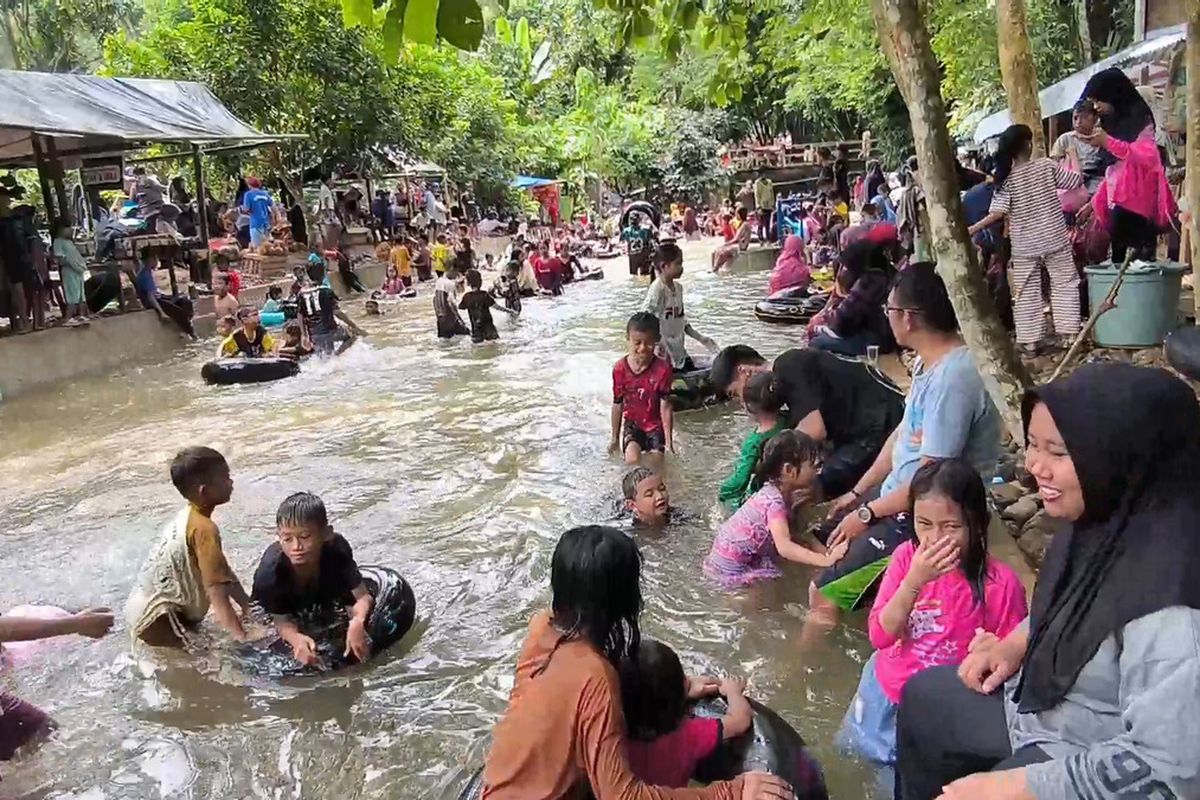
(932, 561)
(761, 786)
(989, 663)
(836, 553)
(849, 529)
(304, 650)
(358, 643)
(1097, 138)
(1007, 784)
(1084, 215)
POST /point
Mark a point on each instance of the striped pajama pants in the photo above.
(1029, 304)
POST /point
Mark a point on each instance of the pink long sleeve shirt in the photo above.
(943, 619)
(1137, 182)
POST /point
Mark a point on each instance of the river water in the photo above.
(457, 464)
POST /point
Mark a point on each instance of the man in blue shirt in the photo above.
(257, 204)
(947, 414)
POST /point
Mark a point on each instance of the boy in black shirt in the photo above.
(479, 304)
(308, 572)
(318, 309)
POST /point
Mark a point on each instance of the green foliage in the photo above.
(60, 35)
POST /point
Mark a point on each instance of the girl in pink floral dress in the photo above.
(750, 543)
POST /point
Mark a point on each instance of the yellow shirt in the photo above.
(401, 261)
(204, 541)
(229, 347)
(439, 254)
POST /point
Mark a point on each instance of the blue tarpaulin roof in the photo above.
(527, 182)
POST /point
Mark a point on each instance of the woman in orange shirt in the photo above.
(564, 729)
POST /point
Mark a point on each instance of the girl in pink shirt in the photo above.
(937, 594)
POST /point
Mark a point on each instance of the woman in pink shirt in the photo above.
(1134, 203)
(936, 594)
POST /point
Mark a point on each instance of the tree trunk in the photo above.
(1017, 69)
(905, 41)
(1085, 32)
(1193, 136)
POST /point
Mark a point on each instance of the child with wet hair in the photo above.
(665, 741)
(309, 573)
(763, 399)
(294, 345)
(646, 497)
(748, 546)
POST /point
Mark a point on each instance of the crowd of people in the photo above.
(972, 692)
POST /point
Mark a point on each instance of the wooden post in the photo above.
(57, 178)
(39, 158)
(1192, 177)
(1017, 70)
(905, 41)
(201, 197)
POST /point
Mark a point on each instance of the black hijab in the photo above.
(1130, 114)
(1134, 437)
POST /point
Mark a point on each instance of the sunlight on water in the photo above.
(457, 464)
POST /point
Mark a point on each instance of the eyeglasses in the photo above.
(888, 309)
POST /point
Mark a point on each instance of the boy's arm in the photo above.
(358, 643)
(93, 624)
(740, 716)
(707, 341)
(337, 312)
(218, 598)
(303, 647)
(668, 419)
(615, 441)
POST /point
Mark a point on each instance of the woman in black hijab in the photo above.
(1134, 202)
(1107, 704)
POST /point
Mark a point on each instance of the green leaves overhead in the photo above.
(420, 21)
(358, 12)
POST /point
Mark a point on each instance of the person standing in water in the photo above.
(445, 309)
(642, 418)
(664, 299)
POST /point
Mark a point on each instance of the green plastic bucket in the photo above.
(1147, 304)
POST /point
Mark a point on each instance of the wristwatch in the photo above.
(865, 515)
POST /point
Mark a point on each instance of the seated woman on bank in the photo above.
(307, 575)
(936, 595)
(1101, 700)
(854, 318)
(724, 255)
(564, 730)
(251, 340)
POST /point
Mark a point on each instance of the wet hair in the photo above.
(762, 394)
(668, 253)
(1014, 141)
(474, 279)
(643, 322)
(228, 319)
(787, 447)
(292, 328)
(302, 508)
(632, 478)
(244, 312)
(742, 213)
(193, 467)
(1085, 106)
(653, 691)
(316, 271)
(920, 288)
(869, 208)
(595, 579)
(275, 292)
(725, 365)
(958, 482)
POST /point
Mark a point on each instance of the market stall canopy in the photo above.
(90, 115)
(401, 165)
(1063, 95)
(526, 182)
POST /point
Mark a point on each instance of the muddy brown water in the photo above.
(457, 464)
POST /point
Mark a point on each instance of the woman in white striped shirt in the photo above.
(1027, 194)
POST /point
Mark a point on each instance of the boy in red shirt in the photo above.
(642, 419)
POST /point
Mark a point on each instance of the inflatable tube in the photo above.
(590, 275)
(227, 371)
(272, 319)
(642, 207)
(793, 306)
(18, 654)
(692, 390)
(771, 745)
(1182, 350)
(392, 617)
(604, 255)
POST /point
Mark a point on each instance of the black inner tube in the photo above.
(1182, 350)
(392, 617)
(227, 371)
